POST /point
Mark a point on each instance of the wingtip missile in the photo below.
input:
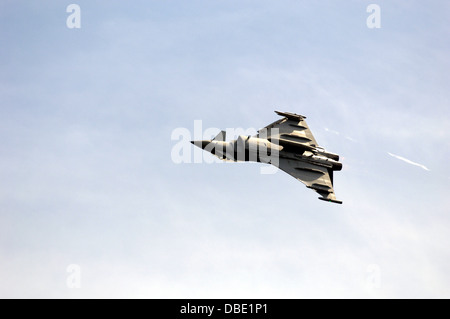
(331, 200)
(291, 115)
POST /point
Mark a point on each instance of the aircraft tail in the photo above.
(220, 137)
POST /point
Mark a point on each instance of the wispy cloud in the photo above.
(331, 131)
(409, 161)
(351, 139)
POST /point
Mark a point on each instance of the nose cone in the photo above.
(201, 144)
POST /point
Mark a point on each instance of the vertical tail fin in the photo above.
(220, 137)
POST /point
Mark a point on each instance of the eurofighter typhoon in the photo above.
(288, 144)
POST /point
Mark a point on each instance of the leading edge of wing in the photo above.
(292, 128)
(313, 176)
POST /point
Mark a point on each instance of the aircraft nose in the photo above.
(201, 144)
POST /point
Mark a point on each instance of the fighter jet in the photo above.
(288, 144)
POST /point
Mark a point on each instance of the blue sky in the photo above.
(86, 175)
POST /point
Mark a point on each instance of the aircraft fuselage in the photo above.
(255, 149)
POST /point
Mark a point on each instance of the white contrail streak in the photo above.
(331, 131)
(408, 161)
